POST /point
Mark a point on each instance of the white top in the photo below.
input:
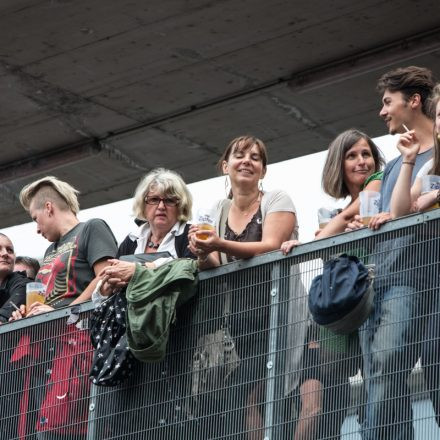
(142, 237)
(425, 169)
(272, 201)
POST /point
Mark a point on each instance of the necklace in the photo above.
(152, 245)
(247, 211)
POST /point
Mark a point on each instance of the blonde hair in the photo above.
(49, 188)
(168, 183)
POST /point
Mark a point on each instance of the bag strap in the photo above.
(226, 205)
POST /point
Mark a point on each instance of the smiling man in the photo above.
(405, 102)
(390, 337)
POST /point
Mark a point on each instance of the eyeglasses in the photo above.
(167, 201)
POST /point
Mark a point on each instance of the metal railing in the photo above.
(240, 356)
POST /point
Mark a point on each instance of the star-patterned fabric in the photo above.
(112, 361)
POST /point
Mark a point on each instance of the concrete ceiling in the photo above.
(98, 92)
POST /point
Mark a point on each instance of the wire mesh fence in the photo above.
(244, 359)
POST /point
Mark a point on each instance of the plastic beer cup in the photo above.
(325, 215)
(369, 205)
(34, 293)
(430, 183)
(205, 222)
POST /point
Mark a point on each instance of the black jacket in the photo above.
(12, 289)
(128, 246)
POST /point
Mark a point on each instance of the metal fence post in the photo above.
(271, 351)
(91, 425)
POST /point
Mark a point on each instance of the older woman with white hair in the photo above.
(162, 207)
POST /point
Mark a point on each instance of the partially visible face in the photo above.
(245, 166)
(358, 164)
(44, 222)
(395, 112)
(20, 267)
(7, 255)
(437, 118)
(161, 216)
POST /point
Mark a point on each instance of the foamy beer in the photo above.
(325, 215)
(205, 222)
(430, 183)
(369, 205)
(34, 293)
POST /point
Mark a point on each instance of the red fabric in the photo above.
(25, 348)
(65, 406)
(24, 403)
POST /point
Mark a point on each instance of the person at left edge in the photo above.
(12, 284)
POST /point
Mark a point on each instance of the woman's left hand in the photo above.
(119, 273)
(287, 246)
(425, 201)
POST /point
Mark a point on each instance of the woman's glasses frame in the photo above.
(167, 201)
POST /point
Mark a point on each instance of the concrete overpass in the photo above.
(99, 92)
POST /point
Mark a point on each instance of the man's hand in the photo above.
(408, 145)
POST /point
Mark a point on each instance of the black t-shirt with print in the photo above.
(67, 268)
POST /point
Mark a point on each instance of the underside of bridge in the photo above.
(99, 92)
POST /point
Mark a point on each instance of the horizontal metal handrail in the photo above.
(269, 257)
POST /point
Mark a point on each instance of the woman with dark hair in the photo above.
(354, 156)
(353, 164)
(249, 222)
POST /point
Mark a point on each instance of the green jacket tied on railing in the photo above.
(152, 299)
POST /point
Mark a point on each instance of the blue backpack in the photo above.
(341, 299)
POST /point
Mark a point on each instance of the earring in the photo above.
(227, 186)
(438, 137)
(260, 185)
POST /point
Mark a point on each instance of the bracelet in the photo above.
(408, 163)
